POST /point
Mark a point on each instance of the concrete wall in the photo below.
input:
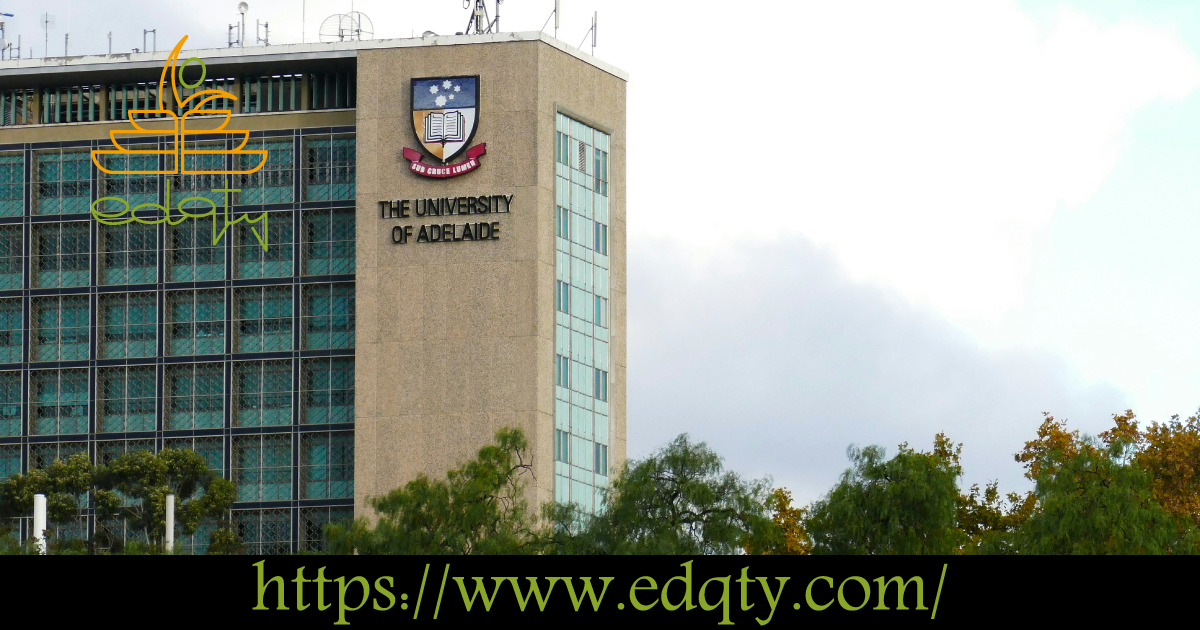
(456, 340)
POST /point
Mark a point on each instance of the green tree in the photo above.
(903, 505)
(478, 509)
(1094, 499)
(66, 485)
(679, 500)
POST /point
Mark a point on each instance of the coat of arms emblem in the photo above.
(445, 114)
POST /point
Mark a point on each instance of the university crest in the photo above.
(445, 114)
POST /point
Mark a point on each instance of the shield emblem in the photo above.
(445, 112)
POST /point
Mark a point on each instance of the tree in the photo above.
(679, 500)
(905, 505)
(479, 509)
(793, 539)
(989, 521)
(1094, 499)
(1170, 454)
(66, 485)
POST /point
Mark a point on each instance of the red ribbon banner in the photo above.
(449, 170)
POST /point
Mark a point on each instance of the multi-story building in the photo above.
(396, 318)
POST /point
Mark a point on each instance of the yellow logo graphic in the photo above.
(186, 107)
(179, 126)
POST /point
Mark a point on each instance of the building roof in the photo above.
(60, 69)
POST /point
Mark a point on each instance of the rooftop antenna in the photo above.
(110, 43)
(352, 26)
(154, 32)
(265, 39)
(479, 21)
(3, 46)
(242, 8)
(553, 14)
(47, 21)
(592, 32)
(66, 43)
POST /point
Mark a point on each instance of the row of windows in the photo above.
(599, 236)
(592, 308)
(566, 445)
(60, 253)
(563, 367)
(62, 179)
(193, 397)
(127, 324)
(260, 465)
(578, 155)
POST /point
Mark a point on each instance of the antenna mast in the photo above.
(479, 22)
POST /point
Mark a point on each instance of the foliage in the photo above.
(679, 500)
(989, 521)
(1170, 454)
(794, 539)
(479, 508)
(905, 505)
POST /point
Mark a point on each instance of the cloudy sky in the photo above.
(949, 215)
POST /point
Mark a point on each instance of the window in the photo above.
(128, 325)
(262, 394)
(601, 238)
(331, 90)
(563, 222)
(562, 371)
(63, 181)
(135, 189)
(110, 450)
(41, 455)
(262, 467)
(273, 182)
(600, 385)
(251, 260)
(12, 249)
(328, 390)
(192, 257)
(601, 172)
(562, 446)
(327, 465)
(60, 328)
(278, 93)
(328, 242)
(12, 180)
(193, 182)
(127, 399)
(196, 322)
(10, 404)
(195, 396)
(128, 254)
(10, 331)
(600, 457)
(601, 312)
(313, 521)
(211, 448)
(264, 532)
(60, 254)
(328, 316)
(264, 318)
(59, 402)
(10, 461)
(329, 168)
(562, 297)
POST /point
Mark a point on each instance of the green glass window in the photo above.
(60, 254)
(273, 182)
(10, 460)
(128, 325)
(211, 448)
(10, 404)
(327, 465)
(192, 256)
(43, 454)
(129, 254)
(328, 390)
(328, 316)
(249, 257)
(264, 532)
(195, 394)
(60, 328)
(10, 330)
(109, 450)
(262, 393)
(193, 183)
(135, 189)
(196, 322)
(313, 521)
(329, 167)
(59, 402)
(262, 467)
(63, 181)
(127, 399)
(12, 180)
(264, 318)
(328, 241)
(12, 248)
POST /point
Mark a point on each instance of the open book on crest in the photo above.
(444, 127)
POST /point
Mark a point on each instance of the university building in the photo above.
(444, 229)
